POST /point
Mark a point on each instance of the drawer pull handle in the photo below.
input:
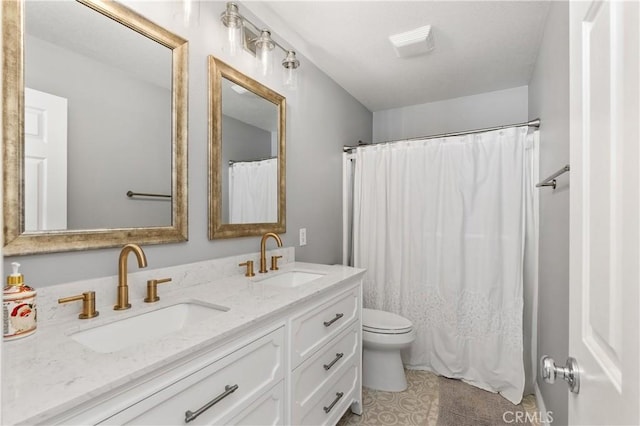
(335, 401)
(338, 356)
(328, 323)
(191, 415)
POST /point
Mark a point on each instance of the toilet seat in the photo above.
(381, 322)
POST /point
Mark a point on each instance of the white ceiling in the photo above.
(480, 46)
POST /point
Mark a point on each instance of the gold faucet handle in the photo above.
(88, 304)
(274, 262)
(249, 265)
(152, 289)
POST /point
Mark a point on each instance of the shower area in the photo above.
(446, 227)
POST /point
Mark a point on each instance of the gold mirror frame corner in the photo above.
(18, 242)
(218, 69)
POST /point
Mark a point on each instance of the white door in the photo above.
(45, 144)
(605, 197)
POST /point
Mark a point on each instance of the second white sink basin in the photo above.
(291, 278)
(121, 334)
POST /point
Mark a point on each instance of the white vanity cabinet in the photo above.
(242, 378)
(326, 354)
(298, 365)
(315, 326)
(220, 391)
(267, 410)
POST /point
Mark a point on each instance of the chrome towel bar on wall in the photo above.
(143, 194)
(551, 180)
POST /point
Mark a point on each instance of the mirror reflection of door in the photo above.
(118, 83)
(249, 156)
(45, 147)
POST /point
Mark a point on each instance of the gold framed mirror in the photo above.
(123, 175)
(247, 155)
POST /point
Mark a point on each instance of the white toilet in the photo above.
(384, 335)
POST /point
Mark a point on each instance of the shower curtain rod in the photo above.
(232, 162)
(533, 123)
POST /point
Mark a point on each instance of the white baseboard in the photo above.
(542, 409)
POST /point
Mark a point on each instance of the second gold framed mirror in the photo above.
(247, 149)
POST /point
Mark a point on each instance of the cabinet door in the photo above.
(314, 375)
(315, 327)
(216, 393)
(326, 407)
(267, 410)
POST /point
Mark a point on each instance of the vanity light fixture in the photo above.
(232, 19)
(264, 49)
(290, 64)
(258, 41)
(191, 12)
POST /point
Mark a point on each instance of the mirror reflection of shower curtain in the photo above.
(253, 191)
(439, 224)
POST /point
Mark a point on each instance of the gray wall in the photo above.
(119, 137)
(321, 118)
(549, 100)
(490, 109)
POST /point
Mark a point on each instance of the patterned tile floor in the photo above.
(418, 405)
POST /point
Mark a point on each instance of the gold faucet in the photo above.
(88, 304)
(123, 288)
(263, 244)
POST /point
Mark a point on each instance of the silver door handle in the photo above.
(570, 372)
(191, 415)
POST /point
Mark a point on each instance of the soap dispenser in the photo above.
(18, 307)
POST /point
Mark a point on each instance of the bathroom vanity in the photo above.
(278, 348)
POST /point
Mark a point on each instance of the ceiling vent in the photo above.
(413, 43)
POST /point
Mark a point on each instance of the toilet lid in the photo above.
(384, 322)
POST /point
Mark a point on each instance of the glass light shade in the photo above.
(290, 65)
(234, 36)
(232, 19)
(264, 52)
(191, 13)
(290, 78)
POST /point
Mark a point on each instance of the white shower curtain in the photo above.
(253, 191)
(440, 226)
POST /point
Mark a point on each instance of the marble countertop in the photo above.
(48, 373)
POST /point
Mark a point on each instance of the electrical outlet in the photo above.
(303, 236)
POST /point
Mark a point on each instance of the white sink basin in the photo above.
(121, 334)
(291, 278)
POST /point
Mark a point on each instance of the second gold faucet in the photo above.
(263, 248)
(123, 288)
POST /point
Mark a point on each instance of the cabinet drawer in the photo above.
(267, 410)
(327, 407)
(235, 381)
(314, 328)
(313, 374)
